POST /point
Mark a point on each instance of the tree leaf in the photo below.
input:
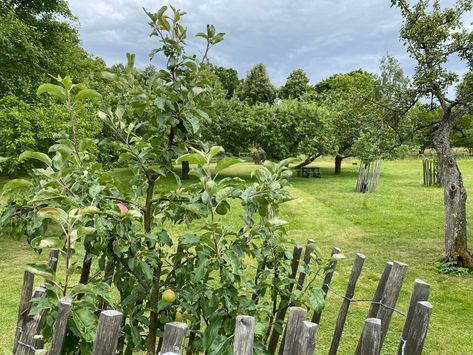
(316, 299)
(3, 159)
(225, 163)
(40, 269)
(188, 240)
(35, 155)
(192, 158)
(87, 94)
(216, 150)
(53, 90)
(17, 184)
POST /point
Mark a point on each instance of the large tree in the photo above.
(434, 35)
(38, 38)
(297, 84)
(257, 87)
(351, 98)
(228, 78)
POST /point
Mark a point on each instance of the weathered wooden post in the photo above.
(244, 335)
(308, 338)
(173, 338)
(273, 340)
(342, 316)
(391, 294)
(32, 326)
(26, 292)
(420, 293)
(378, 295)
(418, 329)
(108, 332)
(371, 337)
(293, 330)
(60, 327)
(327, 281)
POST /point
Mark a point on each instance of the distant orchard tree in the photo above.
(297, 84)
(228, 78)
(257, 87)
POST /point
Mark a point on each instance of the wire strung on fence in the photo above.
(379, 303)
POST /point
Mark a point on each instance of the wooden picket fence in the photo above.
(298, 338)
(431, 172)
(368, 176)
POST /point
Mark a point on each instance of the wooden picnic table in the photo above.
(309, 172)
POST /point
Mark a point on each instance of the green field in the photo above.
(402, 221)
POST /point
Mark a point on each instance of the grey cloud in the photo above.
(321, 36)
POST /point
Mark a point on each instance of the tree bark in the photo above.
(455, 231)
(338, 164)
(185, 170)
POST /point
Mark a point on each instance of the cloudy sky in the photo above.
(321, 36)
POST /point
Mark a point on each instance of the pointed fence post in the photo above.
(308, 338)
(342, 316)
(108, 332)
(26, 292)
(371, 337)
(173, 338)
(326, 285)
(32, 326)
(291, 345)
(420, 293)
(274, 338)
(244, 335)
(418, 329)
(60, 327)
(378, 295)
(391, 294)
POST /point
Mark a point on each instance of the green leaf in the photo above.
(223, 193)
(100, 289)
(216, 150)
(53, 90)
(108, 76)
(3, 159)
(160, 102)
(40, 269)
(188, 240)
(315, 299)
(85, 323)
(89, 210)
(225, 163)
(56, 214)
(17, 184)
(50, 243)
(87, 94)
(192, 158)
(35, 155)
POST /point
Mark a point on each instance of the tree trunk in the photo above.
(338, 164)
(185, 170)
(455, 231)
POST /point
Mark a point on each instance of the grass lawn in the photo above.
(402, 221)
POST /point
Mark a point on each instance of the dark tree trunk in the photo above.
(455, 231)
(185, 170)
(338, 164)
